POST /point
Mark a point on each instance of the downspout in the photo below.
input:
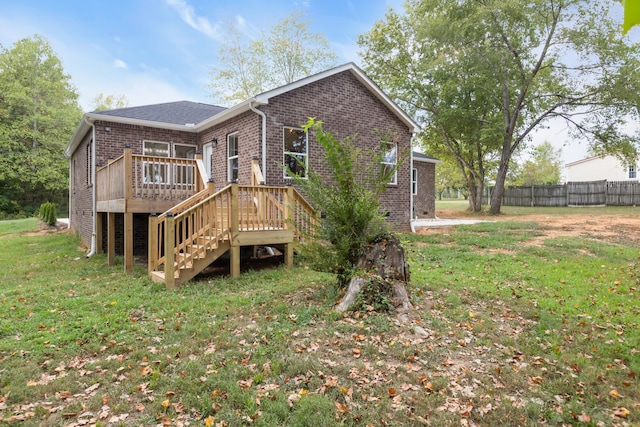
(264, 138)
(93, 192)
(411, 215)
(69, 202)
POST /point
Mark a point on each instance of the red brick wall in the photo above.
(248, 126)
(347, 108)
(111, 139)
(424, 203)
(81, 210)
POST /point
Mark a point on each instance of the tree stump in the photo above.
(384, 262)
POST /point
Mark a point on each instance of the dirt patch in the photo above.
(620, 228)
(46, 229)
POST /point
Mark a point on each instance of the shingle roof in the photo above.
(178, 113)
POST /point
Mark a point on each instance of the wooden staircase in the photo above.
(198, 231)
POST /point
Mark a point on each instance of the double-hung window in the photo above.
(232, 156)
(156, 171)
(390, 160)
(633, 172)
(295, 152)
(183, 174)
(414, 181)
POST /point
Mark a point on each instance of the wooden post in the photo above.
(533, 200)
(128, 175)
(128, 242)
(152, 258)
(234, 251)
(169, 254)
(211, 185)
(99, 233)
(111, 238)
(288, 205)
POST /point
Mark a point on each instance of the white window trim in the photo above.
(414, 181)
(633, 170)
(156, 166)
(188, 171)
(394, 179)
(295, 154)
(230, 158)
(144, 147)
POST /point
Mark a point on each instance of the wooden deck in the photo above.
(198, 224)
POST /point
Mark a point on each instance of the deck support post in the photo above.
(234, 251)
(152, 255)
(169, 254)
(99, 233)
(111, 238)
(128, 242)
(289, 217)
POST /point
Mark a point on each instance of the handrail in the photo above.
(142, 177)
(305, 217)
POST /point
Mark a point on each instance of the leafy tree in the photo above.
(348, 198)
(448, 178)
(544, 167)
(109, 102)
(481, 76)
(38, 114)
(288, 52)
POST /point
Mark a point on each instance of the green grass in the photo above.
(18, 226)
(462, 205)
(516, 334)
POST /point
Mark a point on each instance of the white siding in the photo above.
(598, 168)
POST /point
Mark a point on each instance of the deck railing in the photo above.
(133, 176)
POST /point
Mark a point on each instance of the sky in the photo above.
(154, 51)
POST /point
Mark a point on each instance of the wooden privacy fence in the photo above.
(588, 193)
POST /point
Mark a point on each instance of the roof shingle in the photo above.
(178, 113)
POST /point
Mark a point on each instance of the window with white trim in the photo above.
(295, 151)
(156, 171)
(89, 164)
(183, 174)
(414, 181)
(390, 160)
(232, 156)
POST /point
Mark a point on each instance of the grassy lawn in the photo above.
(504, 333)
(18, 226)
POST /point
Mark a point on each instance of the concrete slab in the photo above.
(442, 222)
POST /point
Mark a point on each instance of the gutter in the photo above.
(264, 138)
(93, 192)
(411, 215)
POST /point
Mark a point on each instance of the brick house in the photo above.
(257, 136)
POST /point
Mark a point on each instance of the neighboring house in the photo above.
(599, 168)
(129, 163)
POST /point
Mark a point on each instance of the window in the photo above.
(414, 181)
(156, 171)
(232, 153)
(633, 172)
(89, 164)
(183, 174)
(295, 151)
(389, 160)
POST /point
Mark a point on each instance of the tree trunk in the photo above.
(385, 262)
(475, 196)
(498, 191)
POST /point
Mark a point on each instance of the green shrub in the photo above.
(48, 214)
(348, 196)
